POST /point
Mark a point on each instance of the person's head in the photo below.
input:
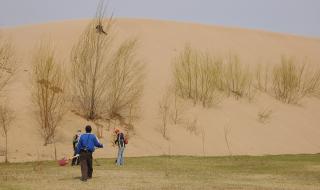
(116, 130)
(88, 129)
(78, 132)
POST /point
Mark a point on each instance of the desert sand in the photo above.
(292, 129)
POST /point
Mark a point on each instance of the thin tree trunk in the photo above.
(6, 159)
(55, 148)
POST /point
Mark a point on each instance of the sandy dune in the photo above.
(292, 129)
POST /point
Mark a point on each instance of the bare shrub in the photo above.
(191, 126)
(292, 81)
(6, 118)
(164, 113)
(262, 78)
(238, 80)
(107, 81)
(203, 138)
(176, 110)
(183, 71)
(126, 81)
(7, 62)
(7, 71)
(49, 91)
(227, 131)
(197, 76)
(264, 115)
(210, 80)
(90, 66)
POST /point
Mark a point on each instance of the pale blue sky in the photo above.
(300, 17)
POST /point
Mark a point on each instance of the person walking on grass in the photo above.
(75, 159)
(120, 141)
(85, 148)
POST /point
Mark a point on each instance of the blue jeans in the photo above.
(120, 159)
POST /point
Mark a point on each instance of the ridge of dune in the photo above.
(121, 19)
(292, 129)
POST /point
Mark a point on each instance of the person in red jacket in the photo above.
(120, 141)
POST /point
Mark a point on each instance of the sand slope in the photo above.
(292, 129)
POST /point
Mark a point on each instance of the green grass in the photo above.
(239, 172)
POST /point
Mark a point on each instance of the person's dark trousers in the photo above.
(86, 165)
(76, 160)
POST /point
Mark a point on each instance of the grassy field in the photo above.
(240, 172)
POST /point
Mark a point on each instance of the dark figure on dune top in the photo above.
(85, 148)
(100, 30)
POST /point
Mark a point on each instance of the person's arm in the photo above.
(75, 140)
(117, 140)
(79, 146)
(96, 142)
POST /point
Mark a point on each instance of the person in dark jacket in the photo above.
(75, 159)
(121, 146)
(85, 148)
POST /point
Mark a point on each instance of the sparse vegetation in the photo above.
(198, 77)
(206, 79)
(176, 111)
(6, 118)
(284, 172)
(238, 80)
(91, 67)
(203, 139)
(107, 81)
(49, 91)
(164, 112)
(7, 62)
(263, 78)
(191, 126)
(292, 82)
(202, 78)
(126, 85)
(227, 131)
(264, 115)
(7, 71)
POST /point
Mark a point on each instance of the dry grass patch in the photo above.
(242, 172)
